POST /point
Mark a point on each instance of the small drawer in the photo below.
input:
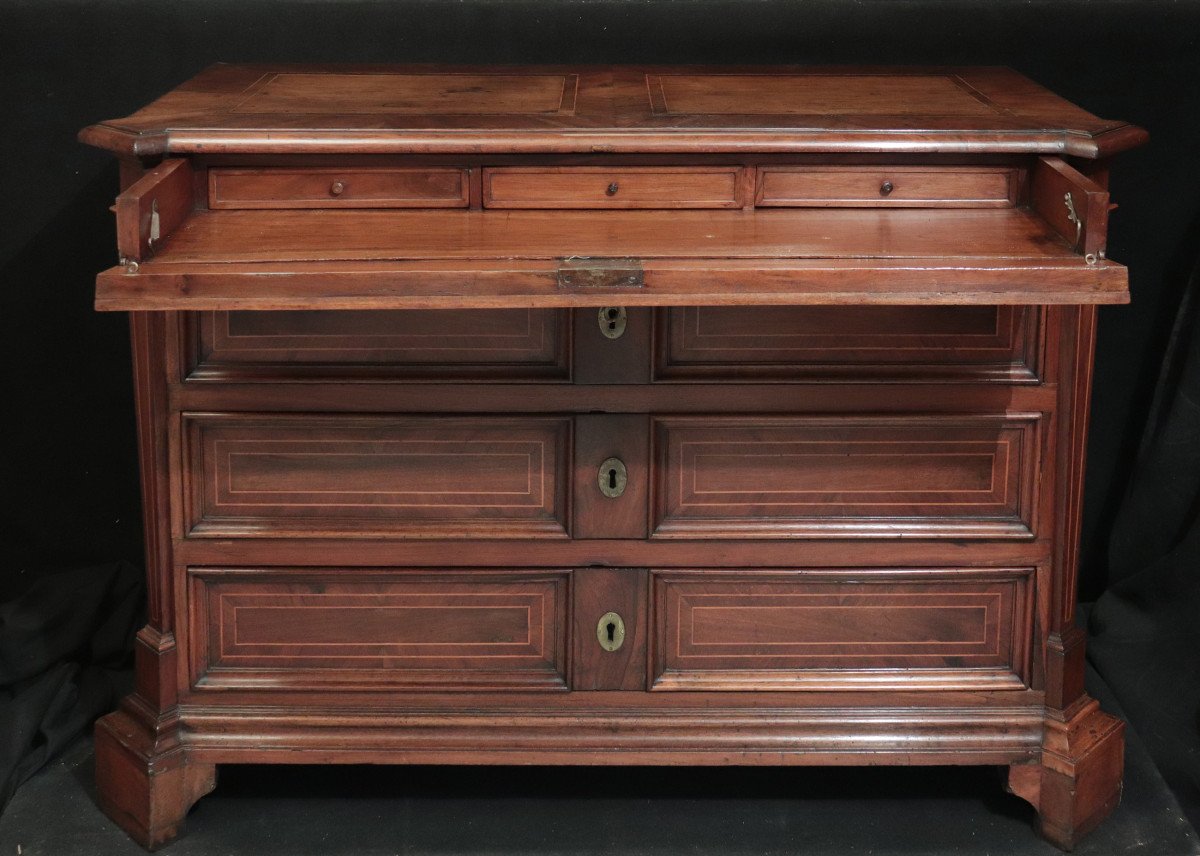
(616, 187)
(354, 628)
(402, 345)
(887, 187)
(872, 629)
(745, 344)
(280, 187)
(774, 477)
(276, 475)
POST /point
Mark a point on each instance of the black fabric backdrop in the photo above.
(68, 466)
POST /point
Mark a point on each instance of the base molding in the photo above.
(1077, 783)
(146, 779)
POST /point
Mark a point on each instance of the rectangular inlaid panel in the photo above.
(845, 629)
(404, 476)
(845, 476)
(822, 95)
(340, 628)
(611, 187)
(336, 187)
(887, 187)
(411, 94)
(749, 343)
(414, 344)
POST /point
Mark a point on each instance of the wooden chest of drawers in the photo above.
(611, 416)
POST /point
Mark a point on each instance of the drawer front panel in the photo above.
(450, 344)
(337, 188)
(751, 343)
(413, 629)
(780, 477)
(338, 476)
(617, 187)
(778, 630)
(887, 187)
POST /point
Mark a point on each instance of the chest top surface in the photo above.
(586, 109)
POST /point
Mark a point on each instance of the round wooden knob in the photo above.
(337, 188)
(886, 188)
(612, 189)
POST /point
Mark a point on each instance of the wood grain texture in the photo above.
(374, 396)
(887, 187)
(411, 629)
(880, 629)
(886, 477)
(153, 207)
(612, 187)
(580, 108)
(793, 343)
(330, 187)
(1053, 182)
(471, 344)
(343, 476)
(598, 438)
(597, 592)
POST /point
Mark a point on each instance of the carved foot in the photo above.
(1078, 782)
(144, 779)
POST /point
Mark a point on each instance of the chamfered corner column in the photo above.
(1077, 783)
(146, 779)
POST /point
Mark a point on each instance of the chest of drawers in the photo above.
(611, 416)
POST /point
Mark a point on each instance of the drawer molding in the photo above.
(345, 476)
(472, 345)
(751, 344)
(337, 187)
(878, 629)
(416, 629)
(612, 187)
(948, 476)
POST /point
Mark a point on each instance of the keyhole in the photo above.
(612, 321)
(612, 485)
(611, 630)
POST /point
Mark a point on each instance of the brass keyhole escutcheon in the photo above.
(610, 631)
(612, 321)
(613, 477)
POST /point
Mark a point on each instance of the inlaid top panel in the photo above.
(549, 109)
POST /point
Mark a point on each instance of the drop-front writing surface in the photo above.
(611, 415)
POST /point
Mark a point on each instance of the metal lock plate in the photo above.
(612, 478)
(610, 631)
(612, 321)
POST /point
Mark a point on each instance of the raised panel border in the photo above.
(1013, 619)
(198, 367)
(1029, 333)
(1028, 429)
(215, 664)
(199, 520)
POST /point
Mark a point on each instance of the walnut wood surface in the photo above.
(374, 394)
(280, 108)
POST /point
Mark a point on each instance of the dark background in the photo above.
(67, 465)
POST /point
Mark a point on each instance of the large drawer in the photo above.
(846, 629)
(345, 476)
(431, 344)
(846, 476)
(341, 628)
(751, 343)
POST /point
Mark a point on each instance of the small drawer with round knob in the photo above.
(612, 187)
(887, 186)
(333, 187)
